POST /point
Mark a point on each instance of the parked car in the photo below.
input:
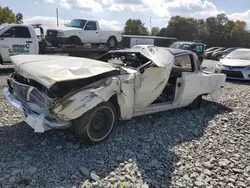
(217, 55)
(90, 95)
(211, 49)
(196, 47)
(207, 55)
(236, 65)
(80, 31)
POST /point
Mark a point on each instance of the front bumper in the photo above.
(235, 73)
(56, 41)
(37, 121)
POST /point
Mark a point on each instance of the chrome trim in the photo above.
(28, 93)
(41, 121)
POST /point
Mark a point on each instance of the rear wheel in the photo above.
(112, 42)
(96, 125)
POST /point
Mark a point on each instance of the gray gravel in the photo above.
(179, 148)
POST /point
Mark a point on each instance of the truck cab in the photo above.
(17, 39)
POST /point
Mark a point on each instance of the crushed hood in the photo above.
(49, 69)
(235, 62)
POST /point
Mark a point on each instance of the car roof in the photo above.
(26, 25)
(243, 49)
(177, 51)
(188, 42)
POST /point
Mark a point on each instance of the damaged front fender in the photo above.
(79, 102)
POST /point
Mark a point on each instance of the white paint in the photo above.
(7, 43)
(85, 100)
(49, 69)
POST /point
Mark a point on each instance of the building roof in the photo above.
(148, 37)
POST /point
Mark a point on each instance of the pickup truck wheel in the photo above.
(96, 125)
(74, 40)
(196, 104)
(112, 42)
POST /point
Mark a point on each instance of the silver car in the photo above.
(236, 65)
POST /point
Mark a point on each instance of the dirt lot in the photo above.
(209, 147)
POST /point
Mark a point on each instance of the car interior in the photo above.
(183, 63)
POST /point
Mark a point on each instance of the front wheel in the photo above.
(96, 125)
(74, 41)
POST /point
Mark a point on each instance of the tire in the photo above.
(112, 42)
(196, 104)
(74, 40)
(96, 125)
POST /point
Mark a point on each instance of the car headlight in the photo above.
(60, 34)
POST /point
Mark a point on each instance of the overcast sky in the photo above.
(114, 13)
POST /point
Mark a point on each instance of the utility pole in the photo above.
(57, 17)
(150, 25)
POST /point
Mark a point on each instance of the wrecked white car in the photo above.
(90, 95)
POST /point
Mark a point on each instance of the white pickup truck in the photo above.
(80, 31)
(25, 39)
(17, 39)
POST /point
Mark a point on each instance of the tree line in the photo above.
(8, 16)
(213, 31)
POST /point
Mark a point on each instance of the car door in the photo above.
(91, 34)
(149, 84)
(16, 40)
(194, 82)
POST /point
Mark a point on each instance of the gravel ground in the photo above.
(208, 147)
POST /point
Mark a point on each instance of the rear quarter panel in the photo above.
(196, 84)
(106, 34)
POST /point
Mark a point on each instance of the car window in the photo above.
(175, 45)
(184, 62)
(185, 46)
(17, 32)
(199, 48)
(91, 26)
